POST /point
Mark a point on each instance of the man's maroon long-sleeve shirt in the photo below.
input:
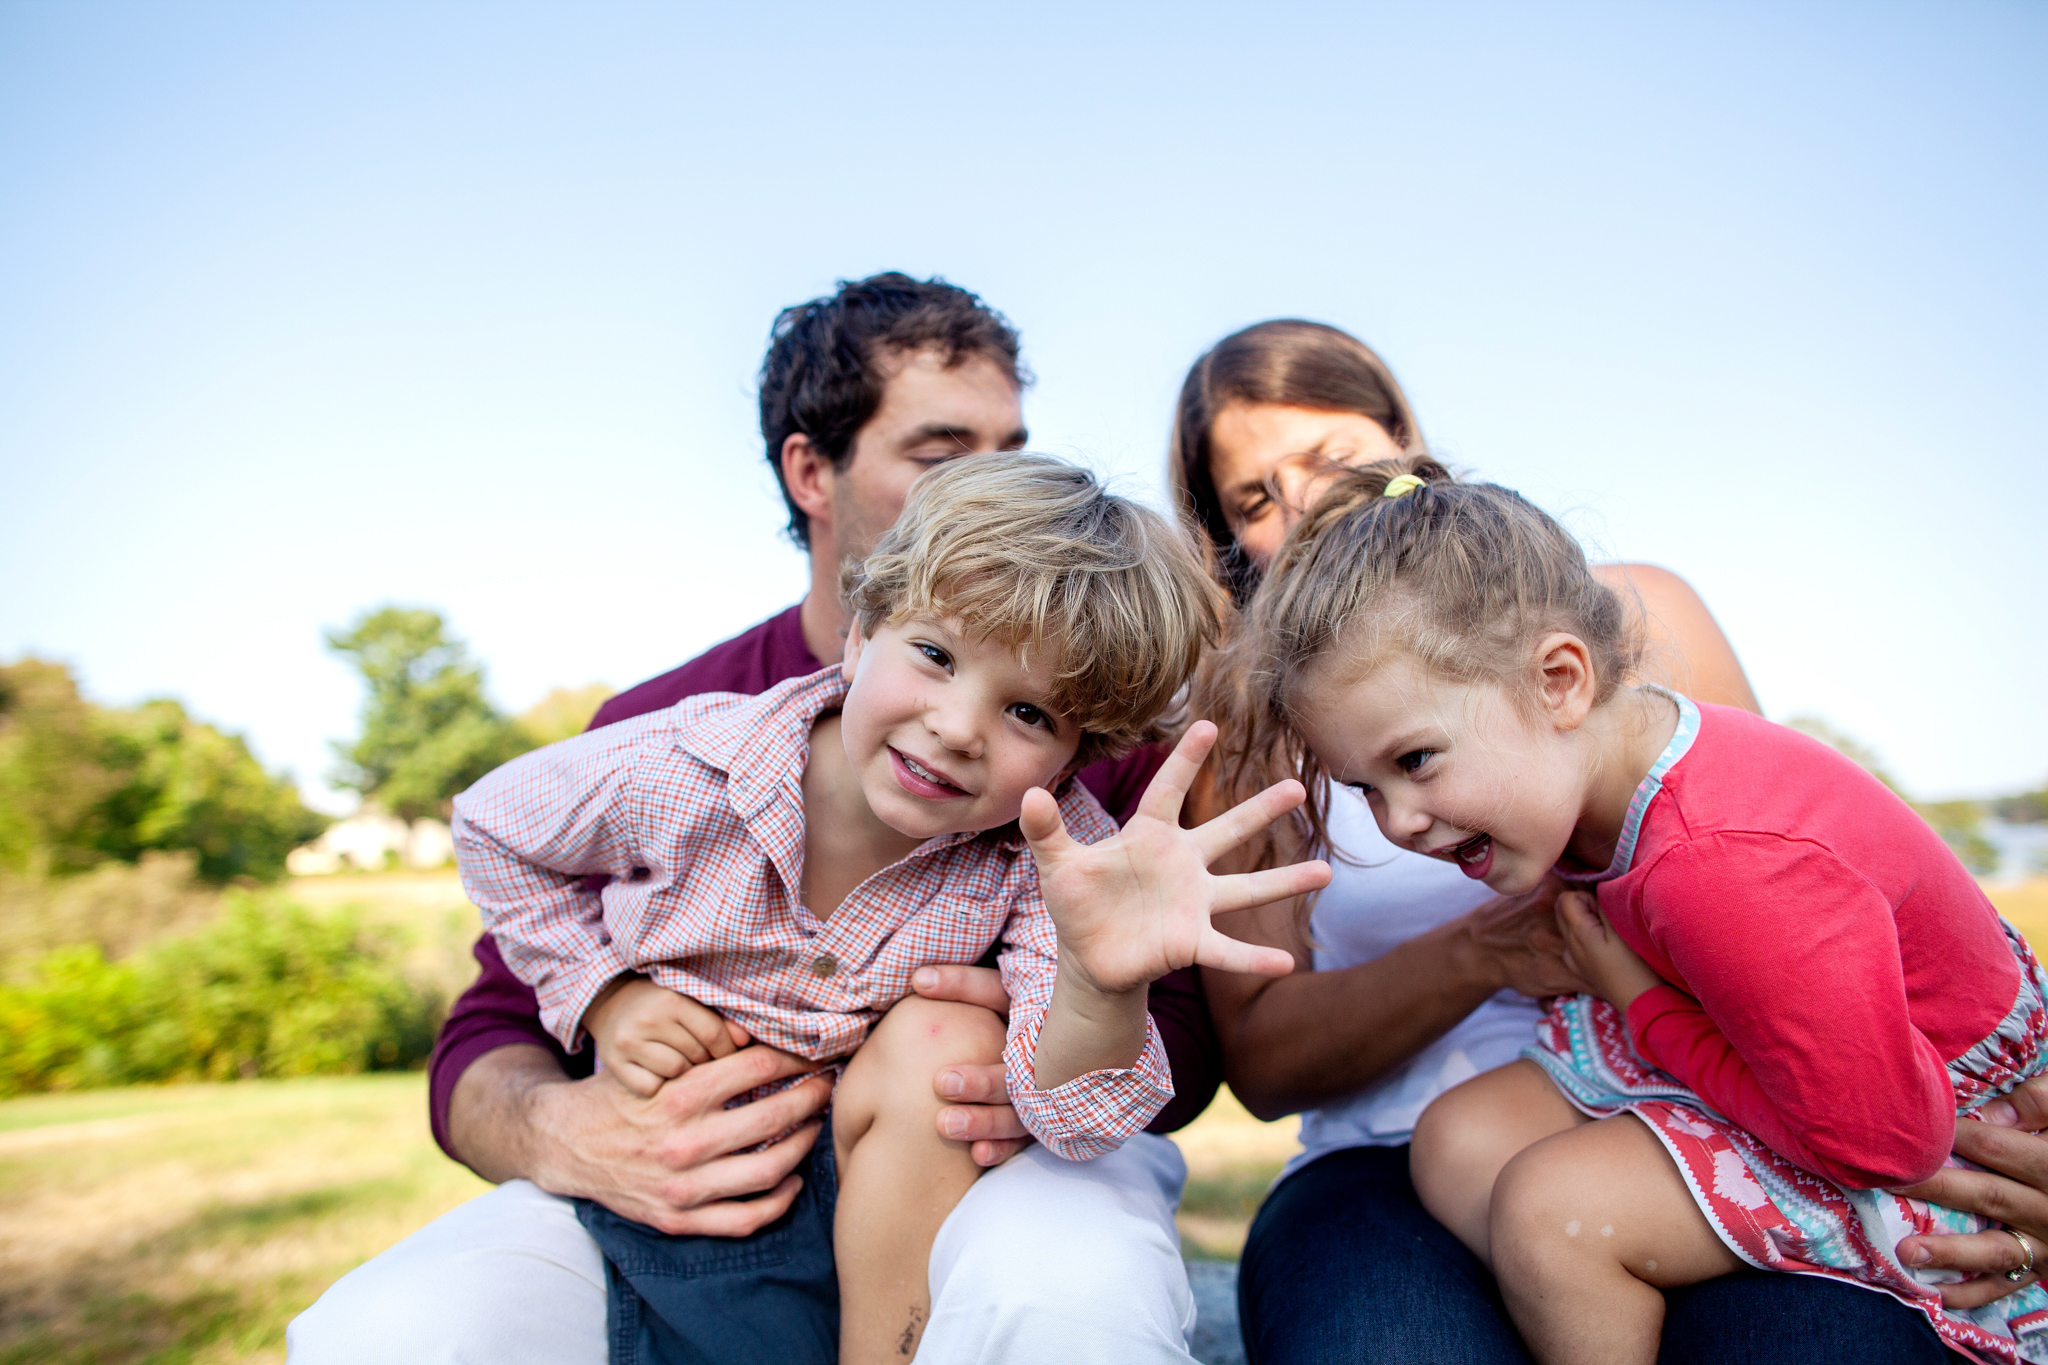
(500, 1010)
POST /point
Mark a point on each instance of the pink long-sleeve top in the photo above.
(1829, 954)
(696, 814)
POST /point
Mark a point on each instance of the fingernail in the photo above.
(953, 1123)
(925, 978)
(2001, 1113)
(1919, 1256)
(951, 1084)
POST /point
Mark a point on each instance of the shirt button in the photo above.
(825, 965)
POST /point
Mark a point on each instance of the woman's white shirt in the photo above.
(1381, 898)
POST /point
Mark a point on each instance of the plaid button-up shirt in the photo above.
(696, 813)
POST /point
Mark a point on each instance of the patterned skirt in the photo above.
(1778, 1216)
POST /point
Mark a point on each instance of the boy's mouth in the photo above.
(918, 780)
(1474, 856)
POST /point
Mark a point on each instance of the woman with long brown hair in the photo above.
(1411, 977)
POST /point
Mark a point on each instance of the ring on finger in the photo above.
(2027, 1247)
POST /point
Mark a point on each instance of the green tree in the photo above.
(81, 784)
(563, 712)
(428, 729)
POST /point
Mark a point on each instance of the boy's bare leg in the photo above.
(1587, 1226)
(1470, 1132)
(898, 1179)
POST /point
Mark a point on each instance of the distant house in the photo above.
(371, 842)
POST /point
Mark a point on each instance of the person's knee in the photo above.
(1543, 1222)
(892, 1072)
(916, 1038)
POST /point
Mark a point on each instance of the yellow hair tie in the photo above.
(1400, 487)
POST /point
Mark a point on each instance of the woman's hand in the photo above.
(1522, 947)
(1611, 968)
(2014, 1191)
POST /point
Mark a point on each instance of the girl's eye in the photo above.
(935, 656)
(1362, 788)
(1032, 715)
(1414, 759)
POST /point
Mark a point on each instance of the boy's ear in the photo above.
(850, 660)
(1566, 685)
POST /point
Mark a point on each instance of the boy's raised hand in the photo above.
(1136, 906)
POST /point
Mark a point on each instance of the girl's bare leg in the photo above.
(898, 1179)
(1470, 1132)
(1587, 1225)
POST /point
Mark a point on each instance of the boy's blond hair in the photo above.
(1033, 552)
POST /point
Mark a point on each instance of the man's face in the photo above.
(930, 413)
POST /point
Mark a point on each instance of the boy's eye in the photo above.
(1413, 760)
(933, 655)
(1032, 715)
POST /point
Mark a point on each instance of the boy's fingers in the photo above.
(1225, 954)
(707, 1027)
(981, 986)
(1040, 824)
(1169, 786)
(1247, 818)
(676, 1036)
(1244, 890)
(638, 1079)
(752, 1067)
(740, 1037)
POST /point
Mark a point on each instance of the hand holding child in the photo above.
(647, 1034)
(1611, 968)
(1137, 906)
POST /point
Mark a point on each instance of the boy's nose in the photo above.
(957, 732)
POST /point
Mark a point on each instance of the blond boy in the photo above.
(782, 864)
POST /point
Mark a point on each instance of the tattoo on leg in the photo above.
(906, 1344)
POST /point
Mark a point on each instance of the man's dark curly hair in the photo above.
(822, 376)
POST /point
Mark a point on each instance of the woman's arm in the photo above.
(1685, 649)
(1299, 1041)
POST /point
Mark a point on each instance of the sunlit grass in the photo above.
(192, 1223)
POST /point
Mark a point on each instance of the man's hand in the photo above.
(677, 1162)
(981, 1113)
(1137, 905)
(2007, 1140)
(1592, 949)
(647, 1034)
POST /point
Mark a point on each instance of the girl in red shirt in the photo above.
(1796, 988)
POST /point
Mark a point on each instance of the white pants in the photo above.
(1044, 1260)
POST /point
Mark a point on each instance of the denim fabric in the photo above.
(773, 1296)
(1345, 1267)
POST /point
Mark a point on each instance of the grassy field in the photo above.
(189, 1224)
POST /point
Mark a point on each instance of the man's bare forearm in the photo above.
(491, 1113)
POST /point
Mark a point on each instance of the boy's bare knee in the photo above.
(893, 1070)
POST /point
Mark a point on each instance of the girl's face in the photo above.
(1452, 770)
(1259, 449)
(946, 730)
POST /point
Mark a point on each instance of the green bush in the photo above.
(268, 989)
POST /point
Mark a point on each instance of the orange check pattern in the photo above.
(696, 814)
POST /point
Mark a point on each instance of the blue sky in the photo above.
(305, 308)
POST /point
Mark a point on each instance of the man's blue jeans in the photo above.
(1345, 1267)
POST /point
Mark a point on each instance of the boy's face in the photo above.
(948, 731)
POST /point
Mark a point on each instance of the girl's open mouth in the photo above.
(1474, 857)
(919, 780)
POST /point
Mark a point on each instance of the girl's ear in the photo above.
(1565, 682)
